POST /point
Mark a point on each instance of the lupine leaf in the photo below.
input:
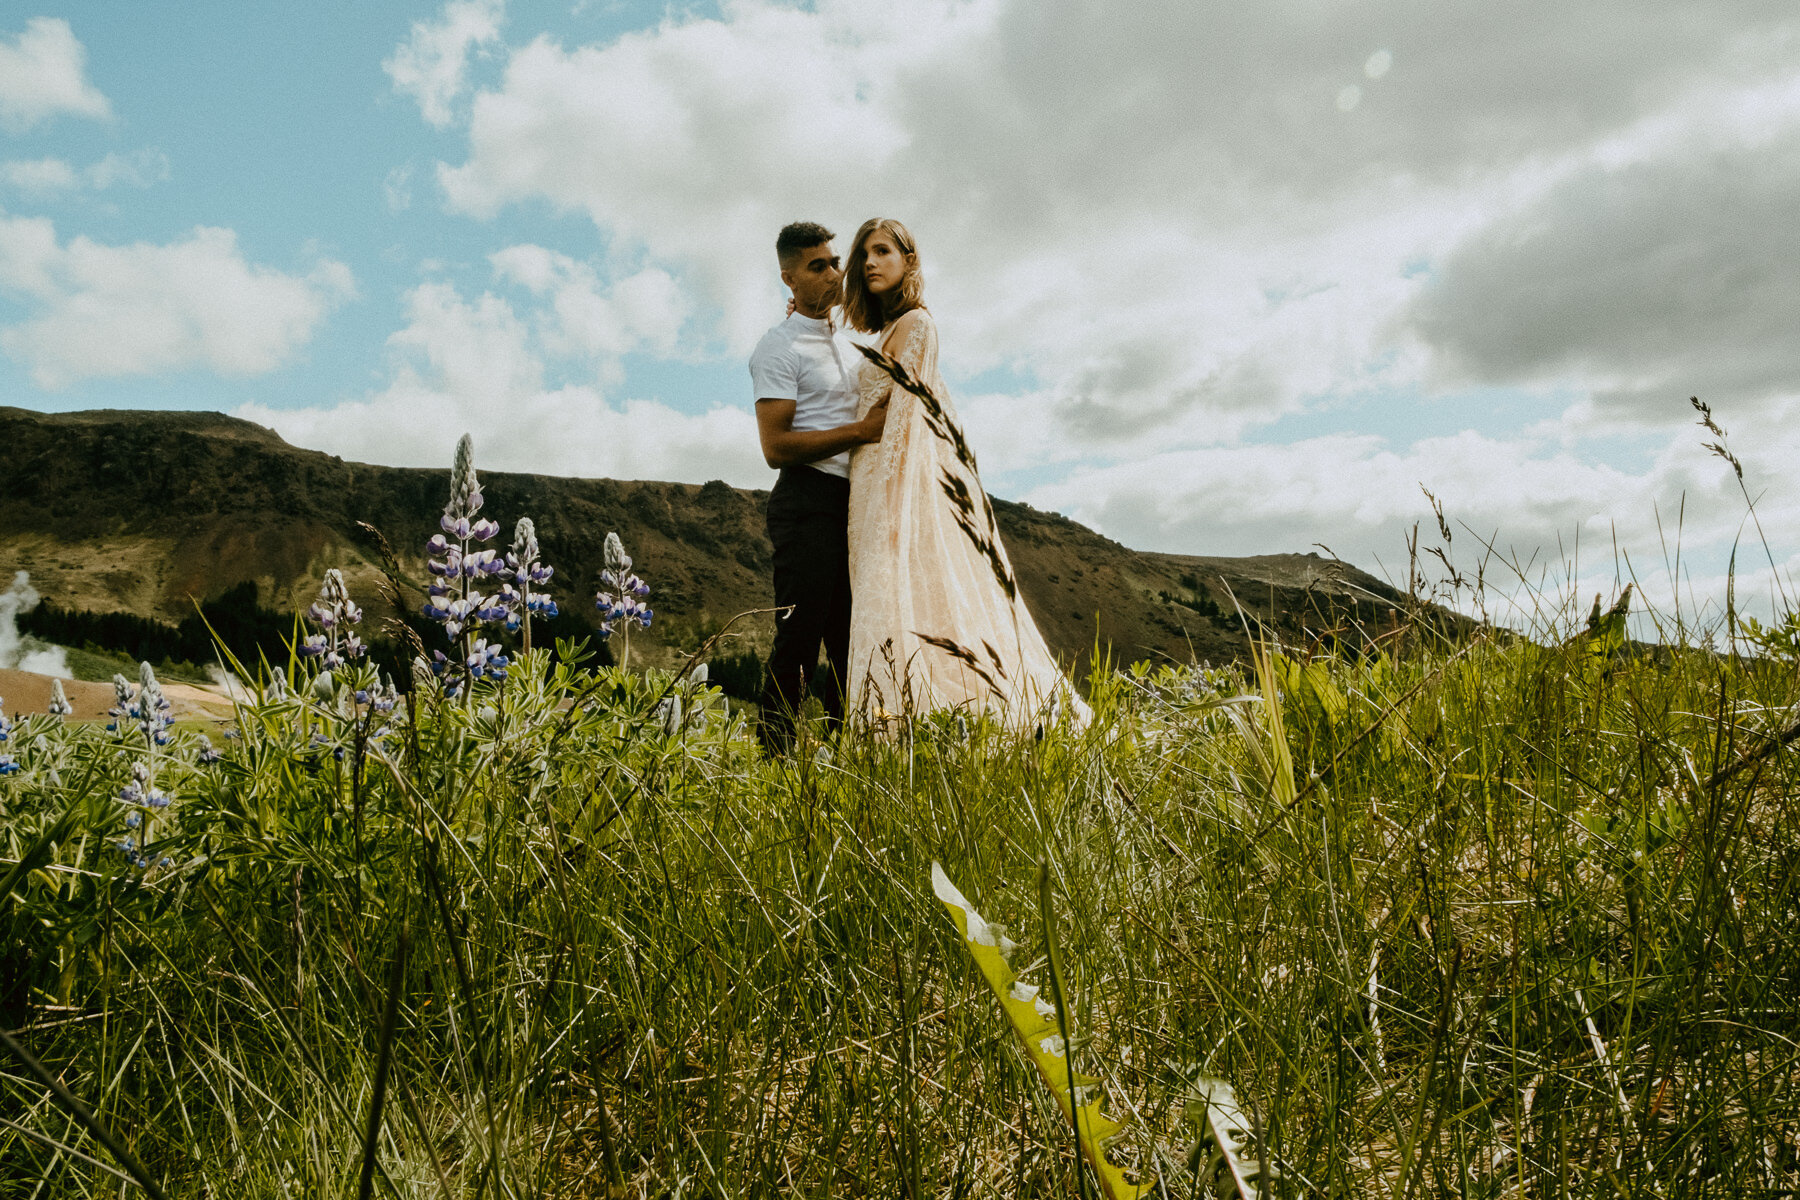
(1034, 1020)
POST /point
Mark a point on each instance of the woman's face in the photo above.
(885, 266)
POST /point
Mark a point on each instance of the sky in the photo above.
(1210, 278)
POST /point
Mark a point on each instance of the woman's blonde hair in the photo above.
(862, 308)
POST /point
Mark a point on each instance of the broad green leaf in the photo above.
(1034, 1020)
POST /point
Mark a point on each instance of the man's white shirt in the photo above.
(806, 360)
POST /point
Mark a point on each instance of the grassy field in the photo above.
(1495, 917)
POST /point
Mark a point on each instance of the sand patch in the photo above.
(26, 693)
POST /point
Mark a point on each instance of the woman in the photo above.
(936, 618)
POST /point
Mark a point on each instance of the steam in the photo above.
(21, 651)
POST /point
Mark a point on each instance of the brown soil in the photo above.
(26, 693)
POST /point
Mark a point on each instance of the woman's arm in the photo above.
(912, 340)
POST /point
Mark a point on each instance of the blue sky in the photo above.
(1211, 278)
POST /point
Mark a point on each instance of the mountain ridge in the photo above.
(153, 511)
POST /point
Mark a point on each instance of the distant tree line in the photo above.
(240, 622)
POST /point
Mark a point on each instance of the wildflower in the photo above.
(437, 668)
(456, 563)
(208, 754)
(623, 596)
(59, 702)
(121, 698)
(147, 708)
(522, 571)
(486, 659)
(334, 612)
(381, 695)
(8, 766)
(5, 725)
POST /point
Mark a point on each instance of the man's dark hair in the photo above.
(801, 235)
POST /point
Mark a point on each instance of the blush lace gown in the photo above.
(936, 619)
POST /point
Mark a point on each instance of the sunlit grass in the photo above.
(1490, 917)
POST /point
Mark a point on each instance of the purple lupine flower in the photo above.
(9, 766)
(144, 801)
(381, 696)
(487, 659)
(208, 753)
(334, 612)
(622, 595)
(121, 703)
(456, 562)
(523, 570)
(147, 708)
(5, 725)
(59, 701)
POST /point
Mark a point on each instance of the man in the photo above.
(804, 377)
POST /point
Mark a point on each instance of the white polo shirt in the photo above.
(805, 360)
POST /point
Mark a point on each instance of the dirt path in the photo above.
(26, 692)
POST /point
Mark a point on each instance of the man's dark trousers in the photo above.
(809, 524)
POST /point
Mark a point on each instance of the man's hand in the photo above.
(785, 446)
(873, 422)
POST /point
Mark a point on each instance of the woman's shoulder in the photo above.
(912, 321)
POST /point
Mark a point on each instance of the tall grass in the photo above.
(1493, 917)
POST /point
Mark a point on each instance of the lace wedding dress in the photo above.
(936, 619)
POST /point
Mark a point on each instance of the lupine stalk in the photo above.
(148, 710)
(334, 612)
(456, 564)
(522, 571)
(621, 600)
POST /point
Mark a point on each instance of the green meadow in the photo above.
(1486, 916)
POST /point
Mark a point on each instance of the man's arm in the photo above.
(785, 446)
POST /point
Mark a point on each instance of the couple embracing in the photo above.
(886, 548)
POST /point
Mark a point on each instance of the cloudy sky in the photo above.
(1214, 278)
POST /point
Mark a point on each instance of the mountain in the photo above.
(151, 512)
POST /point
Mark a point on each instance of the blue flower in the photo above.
(8, 766)
(623, 594)
(487, 660)
(334, 612)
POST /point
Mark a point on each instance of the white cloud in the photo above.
(1643, 283)
(476, 366)
(43, 72)
(99, 311)
(586, 318)
(1176, 223)
(47, 176)
(39, 175)
(431, 66)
